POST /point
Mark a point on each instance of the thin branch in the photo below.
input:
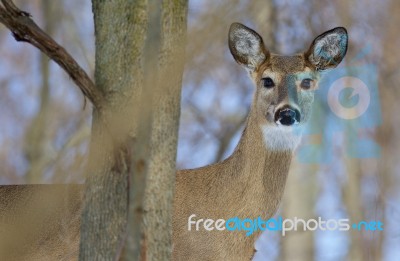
(25, 29)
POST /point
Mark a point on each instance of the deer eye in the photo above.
(268, 82)
(306, 84)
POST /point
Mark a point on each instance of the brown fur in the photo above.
(40, 222)
(249, 183)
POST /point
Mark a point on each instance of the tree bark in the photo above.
(120, 28)
(165, 123)
(298, 201)
(150, 98)
(388, 134)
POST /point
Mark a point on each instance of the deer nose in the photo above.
(287, 116)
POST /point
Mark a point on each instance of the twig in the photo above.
(25, 29)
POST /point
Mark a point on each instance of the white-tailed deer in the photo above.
(41, 222)
(250, 183)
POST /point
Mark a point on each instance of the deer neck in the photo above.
(262, 168)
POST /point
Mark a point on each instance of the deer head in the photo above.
(285, 85)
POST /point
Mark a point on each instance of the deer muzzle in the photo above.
(287, 116)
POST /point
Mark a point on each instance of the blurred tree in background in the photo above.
(45, 139)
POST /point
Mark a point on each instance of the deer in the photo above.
(250, 182)
(42, 222)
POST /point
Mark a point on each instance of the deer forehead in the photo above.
(280, 67)
(287, 64)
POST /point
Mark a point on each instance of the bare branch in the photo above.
(25, 29)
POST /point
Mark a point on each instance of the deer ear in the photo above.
(328, 49)
(246, 46)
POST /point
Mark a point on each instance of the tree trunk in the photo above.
(298, 201)
(388, 134)
(35, 139)
(161, 173)
(150, 98)
(120, 28)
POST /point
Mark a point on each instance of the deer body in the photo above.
(248, 184)
(243, 185)
(40, 222)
